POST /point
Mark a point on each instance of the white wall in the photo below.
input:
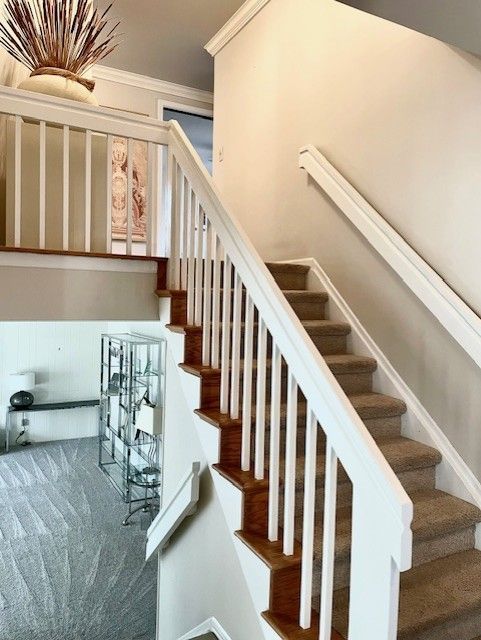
(200, 575)
(397, 113)
(65, 357)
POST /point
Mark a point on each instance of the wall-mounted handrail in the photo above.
(180, 506)
(444, 303)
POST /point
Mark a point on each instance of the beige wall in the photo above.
(32, 293)
(398, 114)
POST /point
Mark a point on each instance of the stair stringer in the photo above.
(256, 572)
(453, 474)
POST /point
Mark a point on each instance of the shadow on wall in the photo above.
(453, 21)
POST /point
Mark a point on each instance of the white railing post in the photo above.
(308, 519)
(274, 446)
(226, 330)
(88, 190)
(259, 454)
(216, 303)
(42, 185)
(328, 543)
(108, 217)
(236, 345)
(290, 465)
(130, 195)
(374, 604)
(207, 313)
(199, 263)
(247, 385)
(191, 258)
(18, 183)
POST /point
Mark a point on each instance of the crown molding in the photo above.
(232, 27)
(119, 76)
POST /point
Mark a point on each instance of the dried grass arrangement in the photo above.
(58, 37)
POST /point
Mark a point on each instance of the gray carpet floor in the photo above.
(68, 569)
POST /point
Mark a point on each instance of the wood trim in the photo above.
(100, 72)
(81, 254)
(233, 26)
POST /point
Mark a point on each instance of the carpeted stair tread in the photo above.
(326, 328)
(432, 595)
(301, 295)
(402, 454)
(435, 513)
(287, 267)
(340, 363)
(377, 405)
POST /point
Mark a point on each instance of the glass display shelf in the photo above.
(131, 410)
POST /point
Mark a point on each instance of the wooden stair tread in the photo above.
(432, 595)
(289, 629)
(271, 552)
(243, 480)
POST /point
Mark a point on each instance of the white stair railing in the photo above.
(270, 369)
(378, 553)
(61, 132)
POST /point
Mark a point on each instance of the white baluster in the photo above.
(108, 226)
(184, 243)
(308, 520)
(206, 323)
(18, 182)
(42, 185)
(130, 194)
(259, 461)
(88, 190)
(151, 201)
(191, 263)
(274, 448)
(236, 343)
(199, 263)
(216, 304)
(174, 265)
(226, 308)
(290, 467)
(328, 543)
(247, 385)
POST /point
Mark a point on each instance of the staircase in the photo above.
(339, 506)
(440, 596)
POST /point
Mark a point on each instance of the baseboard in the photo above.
(211, 625)
(453, 474)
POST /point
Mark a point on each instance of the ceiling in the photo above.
(165, 38)
(457, 22)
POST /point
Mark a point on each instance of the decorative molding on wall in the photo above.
(232, 27)
(209, 626)
(450, 310)
(152, 84)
